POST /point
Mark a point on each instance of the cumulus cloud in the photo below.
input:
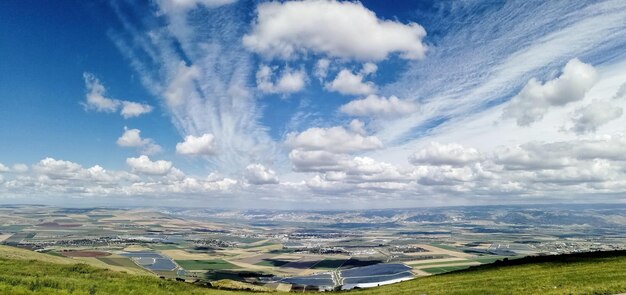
(379, 106)
(445, 154)
(348, 83)
(531, 156)
(259, 174)
(96, 100)
(336, 29)
(316, 161)
(4, 168)
(621, 92)
(134, 109)
(290, 81)
(357, 126)
(329, 149)
(144, 165)
(56, 178)
(532, 103)
(20, 168)
(599, 112)
(57, 168)
(321, 68)
(132, 138)
(197, 145)
(335, 139)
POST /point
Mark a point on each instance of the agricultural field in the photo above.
(292, 249)
(214, 264)
(588, 273)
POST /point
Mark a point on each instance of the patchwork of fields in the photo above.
(287, 255)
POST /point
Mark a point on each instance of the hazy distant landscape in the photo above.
(309, 250)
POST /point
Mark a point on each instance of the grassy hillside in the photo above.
(588, 273)
(26, 272)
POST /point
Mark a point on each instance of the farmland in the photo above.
(205, 264)
(300, 250)
(27, 272)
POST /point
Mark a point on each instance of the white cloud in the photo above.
(321, 68)
(290, 81)
(357, 126)
(328, 149)
(530, 156)
(379, 106)
(58, 178)
(335, 139)
(445, 154)
(4, 168)
(144, 165)
(181, 84)
(259, 174)
(96, 100)
(531, 104)
(316, 161)
(132, 138)
(20, 168)
(201, 75)
(348, 83)
(369, 68)
(587, 119)
(197, 145)
(333, 28)
(621, 92)
(134, 109)
(57, 169)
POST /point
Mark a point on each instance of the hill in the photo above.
(584, 273)
(26, 272)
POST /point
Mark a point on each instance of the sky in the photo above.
(313, 104)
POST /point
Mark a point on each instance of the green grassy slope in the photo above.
(588, 273)
(27, 272)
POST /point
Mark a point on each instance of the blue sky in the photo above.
(310, 103)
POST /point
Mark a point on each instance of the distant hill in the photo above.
(26, 272)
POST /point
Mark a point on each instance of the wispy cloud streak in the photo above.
(487, 56)
(194, 61)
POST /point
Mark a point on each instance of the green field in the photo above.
(205, 264)
(587, 273)
(443, 269)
